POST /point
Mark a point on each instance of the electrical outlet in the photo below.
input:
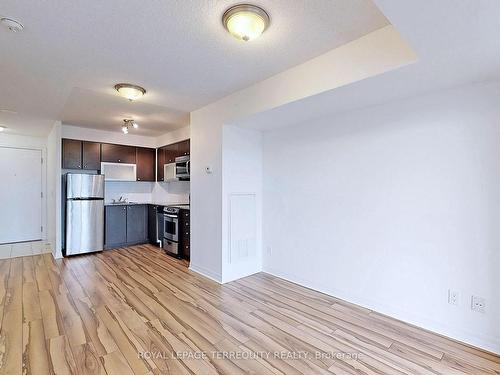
(453, 297)
(478, 304)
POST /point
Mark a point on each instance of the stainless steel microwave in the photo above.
(178, 171)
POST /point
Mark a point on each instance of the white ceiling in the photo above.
(64, 64)
(456, 42)
(91, 109)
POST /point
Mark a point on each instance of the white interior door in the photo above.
(20, 195)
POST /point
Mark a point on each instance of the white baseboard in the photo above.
(240, 276)
(488, 343)
(22, 249)
(206, 272)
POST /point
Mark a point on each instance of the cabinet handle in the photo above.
(124, 208)
(119, 160)
(138, 179)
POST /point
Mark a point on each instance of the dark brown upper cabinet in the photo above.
(91, 155)
(160, 162)
(167, 155)
(81, 154)
(118, 153)
(183, 148)
(171, 152)
(71, 154)
(145, 164)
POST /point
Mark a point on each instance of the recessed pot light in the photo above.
(245, 21)
(129, 91)
(11, 24)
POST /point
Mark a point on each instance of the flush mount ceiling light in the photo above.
(127, 124)
(129, 91)
(11, 24)
(8, 111)
(245, 21)
(2, 128)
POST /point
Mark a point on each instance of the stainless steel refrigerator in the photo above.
(84, 213)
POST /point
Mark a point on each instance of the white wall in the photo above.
(391, 206)
(54, 189)
(375, 53)
(241, 203)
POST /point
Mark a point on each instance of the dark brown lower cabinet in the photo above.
(153, 235)
(115, 233)
(137, 224)
(184, 234)
(125, 225)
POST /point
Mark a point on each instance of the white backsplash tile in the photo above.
(132, 191)
(148, 192)
(171, 192)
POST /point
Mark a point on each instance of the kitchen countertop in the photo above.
(184, 206)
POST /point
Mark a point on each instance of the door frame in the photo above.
(4, 143)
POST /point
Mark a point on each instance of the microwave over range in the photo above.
(177, 171)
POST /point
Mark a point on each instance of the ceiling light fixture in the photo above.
(8, 111)
(245, 21)
(129, 91)
(2, 128)
(11, 24)
(127, 124)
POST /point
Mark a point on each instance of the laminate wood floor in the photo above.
(137, 311)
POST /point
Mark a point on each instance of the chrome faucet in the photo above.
(120, 200)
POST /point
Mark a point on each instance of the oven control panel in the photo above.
(171, 210)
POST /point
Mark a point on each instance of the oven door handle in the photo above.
(171, 216)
